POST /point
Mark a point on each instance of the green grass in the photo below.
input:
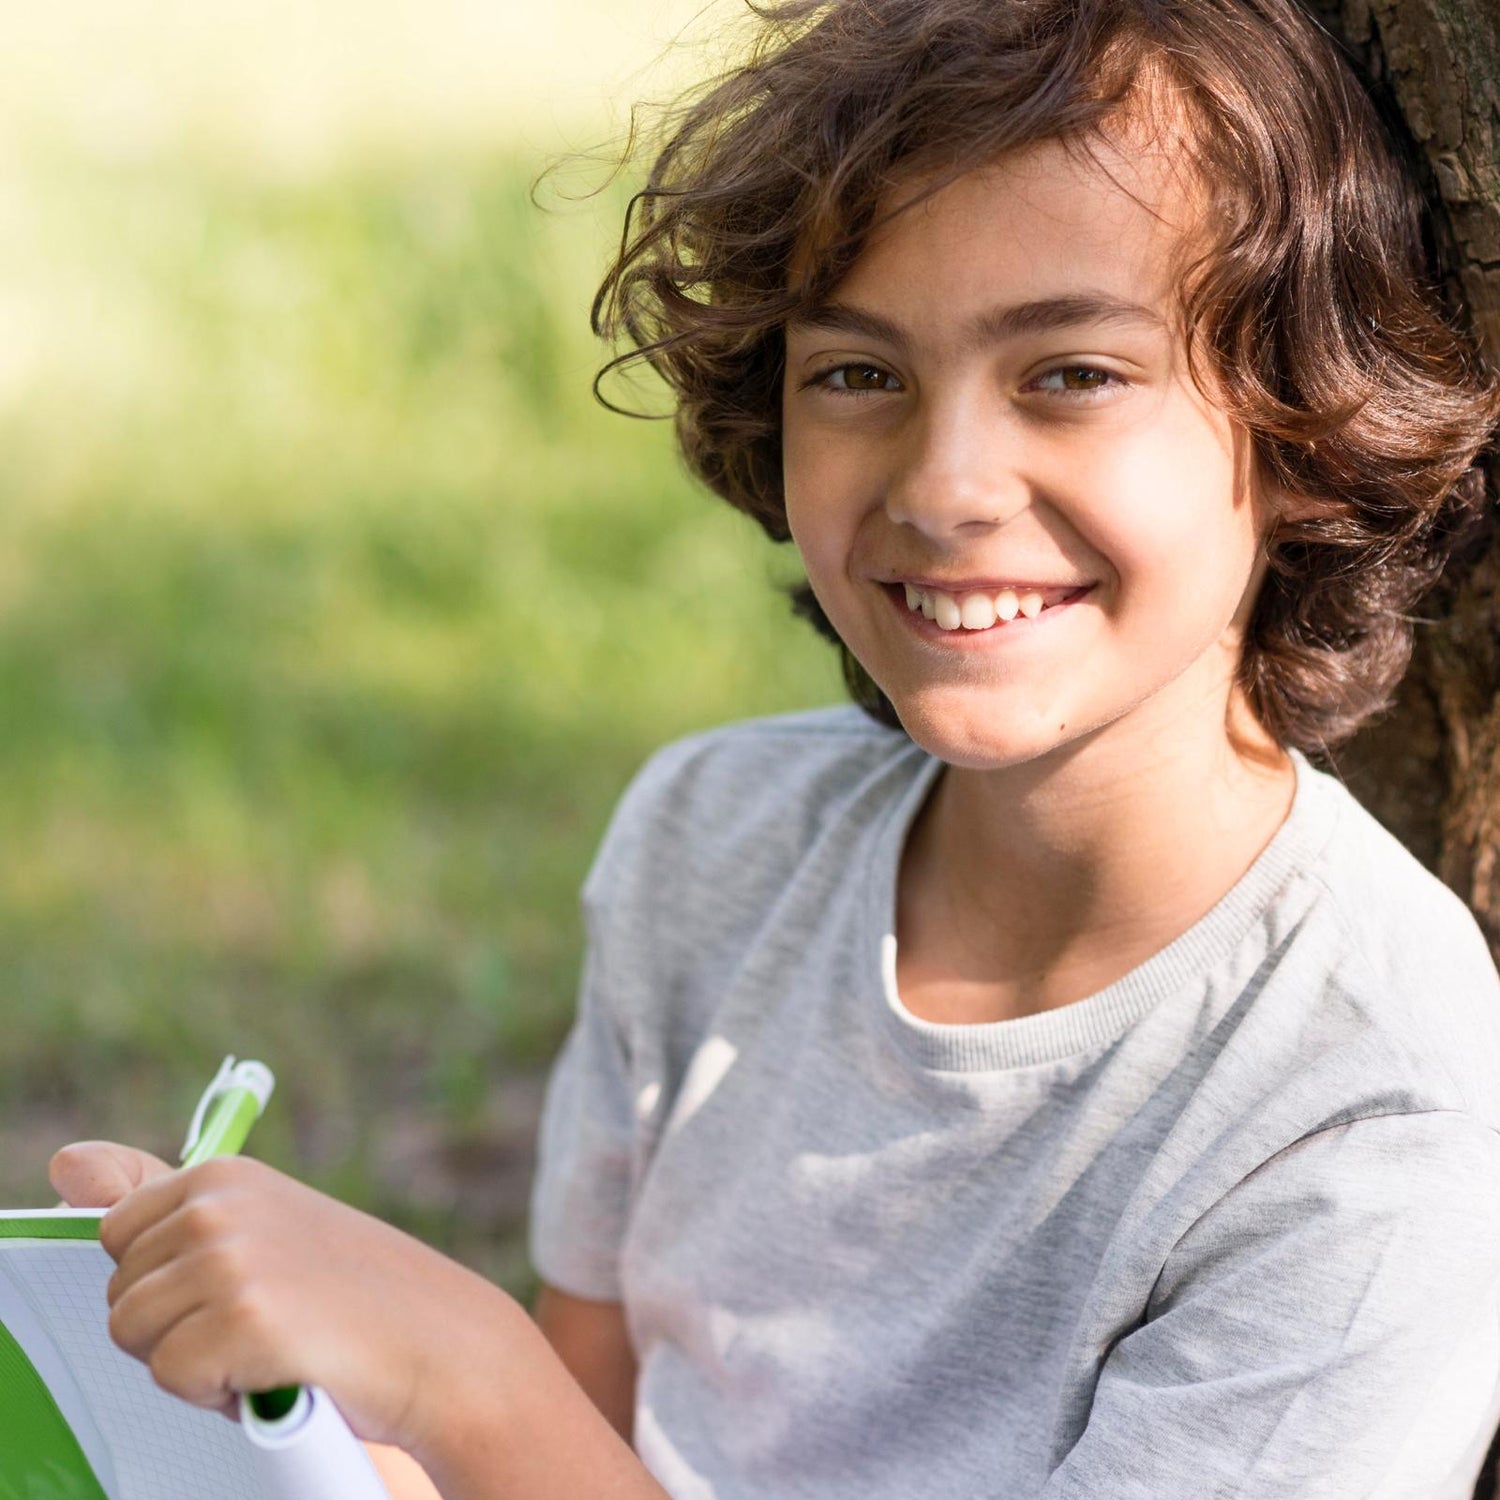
(334, 616)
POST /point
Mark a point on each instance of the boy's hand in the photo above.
(232, 1276)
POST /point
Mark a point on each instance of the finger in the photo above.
(199, 1225)
(96, 1174)
(144, 1206)
(199, 1190)
(142, 1315)
(212, 1353)
(192, 1228)
(187, 1360)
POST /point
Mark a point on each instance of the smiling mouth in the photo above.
(977, 613)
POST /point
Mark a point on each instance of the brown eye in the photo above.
(1083, 378)
(860, 379)
(1078, 381)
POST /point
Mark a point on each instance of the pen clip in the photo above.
(216, 1087)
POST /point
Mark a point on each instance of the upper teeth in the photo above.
(975, 611)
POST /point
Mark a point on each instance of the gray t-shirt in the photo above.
(1229, 1227)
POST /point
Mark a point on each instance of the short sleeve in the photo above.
(581, 1191)
(1329, 1328)
(586, 1141)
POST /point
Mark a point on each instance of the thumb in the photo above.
(97, 1174)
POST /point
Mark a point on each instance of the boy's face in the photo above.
(998, 394)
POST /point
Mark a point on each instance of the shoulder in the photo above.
(1411, 966)
(1407, 927)
(743, 799)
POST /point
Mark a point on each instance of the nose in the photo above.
(960, 466)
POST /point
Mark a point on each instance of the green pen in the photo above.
(229, 1106)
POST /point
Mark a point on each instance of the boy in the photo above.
(1048, 1083)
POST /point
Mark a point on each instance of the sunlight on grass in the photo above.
(334, 615)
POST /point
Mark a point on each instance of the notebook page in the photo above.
(161, 1448)
(22, 1324)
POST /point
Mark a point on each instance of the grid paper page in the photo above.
(163, 1448)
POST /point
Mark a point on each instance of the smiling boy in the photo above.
(1043, 1080)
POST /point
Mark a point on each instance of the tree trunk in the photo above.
(1430, 770)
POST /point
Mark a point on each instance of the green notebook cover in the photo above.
(82, 1420)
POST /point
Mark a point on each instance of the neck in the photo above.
(1058, 875)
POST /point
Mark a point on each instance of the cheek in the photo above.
(1161, 507)
(821, 512)
(825, 555)
(802, 517)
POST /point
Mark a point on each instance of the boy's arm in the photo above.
(592, 1341)
(518, 1425)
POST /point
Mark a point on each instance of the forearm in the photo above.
(524, 1429)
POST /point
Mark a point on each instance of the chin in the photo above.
(967, 735)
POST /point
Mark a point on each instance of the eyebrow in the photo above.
(993, 327)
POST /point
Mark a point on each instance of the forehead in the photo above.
(1115, 218)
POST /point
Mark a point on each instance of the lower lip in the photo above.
(1012, 631)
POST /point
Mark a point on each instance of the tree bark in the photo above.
(1430, 769)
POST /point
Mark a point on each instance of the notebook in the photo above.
(82, 1420)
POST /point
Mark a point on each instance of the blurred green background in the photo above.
(334, 614)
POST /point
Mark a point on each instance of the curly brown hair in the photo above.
(1318, 299)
